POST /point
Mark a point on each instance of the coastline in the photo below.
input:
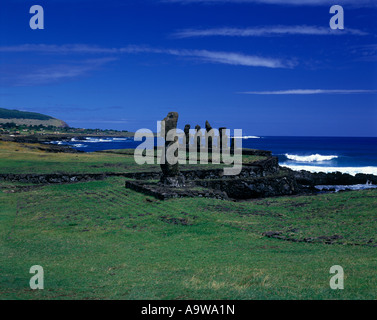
(78, 142)
(314, 163)
(347, 170)
(311, 179)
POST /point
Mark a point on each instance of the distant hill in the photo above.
(29, 118)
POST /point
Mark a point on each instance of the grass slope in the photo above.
(28, 118)
(26, 158)
(98, 240)
(15, 114)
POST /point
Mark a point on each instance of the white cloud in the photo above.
(366, 52)
(358, 3)
(308, 91)
(231, 58)
(33, 75)
(265, 31)
(70, 49)
(100, 121)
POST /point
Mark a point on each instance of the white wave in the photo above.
(120, 139)
(95, 140)
(337, 188)
(80, 145)
(312, 158)
(247, 137)
(60, 143)
(350, 170)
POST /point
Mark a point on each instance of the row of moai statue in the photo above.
(222, 142)
(170, 172)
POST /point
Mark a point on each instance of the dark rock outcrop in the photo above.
(334, 178)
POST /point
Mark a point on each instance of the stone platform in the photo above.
(258, 179)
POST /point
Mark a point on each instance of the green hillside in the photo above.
(15, 114)
(29, 118)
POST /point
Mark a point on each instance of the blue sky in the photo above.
(269, 67)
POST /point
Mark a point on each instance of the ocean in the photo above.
(315, 154)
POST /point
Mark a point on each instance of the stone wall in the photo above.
(163, 192)
(50, 178)
(254, 187)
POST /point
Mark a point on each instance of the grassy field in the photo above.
(98, 240)
(26, 158)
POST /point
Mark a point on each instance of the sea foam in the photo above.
(338, 188)
(95, 140)
(248, 137)
(312, 158)
(350, 170)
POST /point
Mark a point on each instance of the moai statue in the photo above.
(170, 172)
(223, 137)
(198, 137)
(209, 140)
(232, 145)
(187, 135)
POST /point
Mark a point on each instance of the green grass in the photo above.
(98, 240)
(15, 114)
(25, 158)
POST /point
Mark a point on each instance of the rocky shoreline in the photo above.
(44, 139)
(333, 178)
(253, 182)
(263, 178)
